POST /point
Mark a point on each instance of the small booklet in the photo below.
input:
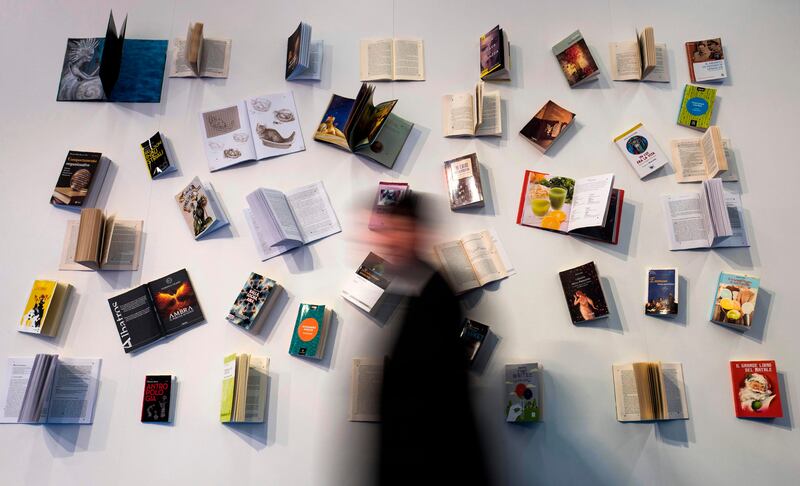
(584, 293)
(392, 60)
(157, 399)
(201, 209)
(367, 286)
(662, 292)
(387, 198)
(155, 310)
(46, 389)
(463, 176)
(700, 159)
(589, 207)
(697, 107)
(95, 242)
(474, 114)
(706, 60)
(359, 127)
(254, 302)
(245, 380)
(549, 123)
(576, 60)
(649, 391)
(365, 390)
(523, 393)
(45, 306)
(199, 57)
(473, 333)
(310, 331)
(735, 300)
(282, 221)
(756, 389)
(474, 261)
(252, 129)
(641, 60)
(155, 156)
(711, 219)
(495, 55)
(303, 57)
(80, 180)
(641, 150)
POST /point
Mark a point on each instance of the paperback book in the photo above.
(473, 114)
(495, 55)
(639, 60)
(157, 399)
(735, 300)
(641, 150)
(365, 390)
(45, 307)
(523, 393)
(80, 180)
(649, 391)
(96, 242)
(583, 293)
(201, 209)
(756, 389)
(155, 156)
(245, 380)
(199, 57)
(387, 198)
(474, 261)
(310, 331)
(662, 292)
(547, 125)
(697, 107)
(576, 60)
(706, 60)
(303, 57)
(392, 60)
(366, 288)
(254, 303)
(463, 176)
(707, 157)
(473, 333)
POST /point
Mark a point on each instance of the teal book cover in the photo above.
(735, 300)
(308, 338)
(697, 107)
(523, 393)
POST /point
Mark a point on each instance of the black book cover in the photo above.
(293, 51)
(75, 178)
(157, 398)
(472, 336)
(583, 293)
(155, 155)
(175, 301)
(136, 319)
(111, 59)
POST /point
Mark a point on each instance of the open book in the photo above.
(358, 126)
(201, 209)
(198, 57)
(45, 306)
(472, 114)
(641, 60)
(303, 57)
(95, 242)
(392, 59)
(244, 388)
(365, 390)
(252, 129)
(495, 55)
(699, 159)
(713, 218)
(649, 391)
(474, 261)
(46, 389)
(281, 221)
(589, 207)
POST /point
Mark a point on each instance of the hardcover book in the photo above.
(575, 60)
(523, 393)
(200, 57)
(735, 300)
(96, 242)
(495, 55)
(155, 156)
(547, 125)
(583, 293)
(473, 114)
(80, 180)
(245, 380)
(254, 302)
(157, 398)
(473, 333)
(463, 176)
(474, 261)
(697, 107)
(387, 198)
(649, 391)
(155, 310)
(639, 60)
(662, 292)
(756, 389)
(303, 57)
(310, 331)
(392, 59)
(368, 284)
(641, 150)
(699, 159)
(201, 209)
(706, 60)
(45, 306)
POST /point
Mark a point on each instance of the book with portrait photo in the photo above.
(576, 60)
(706, 60)
(584, 294)
(547, 125)
(201, 209)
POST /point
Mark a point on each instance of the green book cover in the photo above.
(308, 338)
(697, 107)
(389, 142)
(228, 382)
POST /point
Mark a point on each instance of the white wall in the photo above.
(307, 439)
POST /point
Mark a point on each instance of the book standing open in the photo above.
(201, 209)
(200, 57)
(474, 261)
(245, 380)
(45, 307)
(649, 391)
(303, 57)
(96, 242)
(639, 60)
(392, 60)
(472, 114)
(703, 158)
(495, 55)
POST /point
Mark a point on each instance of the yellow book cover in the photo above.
(228, 386)
(38, 304)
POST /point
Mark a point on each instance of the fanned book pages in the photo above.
(495, 53)
(473, 333)
(254, 302)
(199, 57)
(641, 150)
(575, 60)
(365, 390)
(392, 59)
(387, 199)
(583, 293)
(96, 242)
(463, 176)
(523, 387)
(649, 391)
(157, 398)
(706, 60)
(252, 129)
(310, 331)
(735, 300)
(474, 261)
(639, 60)
(707, 157)
(245, 382)
(155, 156)
(697, 107)
(201, 209)
(80, 180)
(367, 286)
(756, 389)
(547, 125)
(303, 57)
(662, 292)
(474, 114)
(45, 306)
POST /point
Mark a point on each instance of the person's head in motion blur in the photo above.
(403, 232)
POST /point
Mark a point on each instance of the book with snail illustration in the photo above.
(200, 57)
(358, 126)
(639, 60)
(472, 114)
(46, 302)
(80, 180)
(252, 129)
(648, 391)
(244, 388)
(201, 209)
(735, 300)
(707, 157)
(589, 207)
(97, 242)
(756, 393)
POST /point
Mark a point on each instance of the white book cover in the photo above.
(641, 151)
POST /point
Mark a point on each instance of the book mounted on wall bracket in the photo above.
(735, 300)
(310, 331)
(706, 60)
(756, 389)
(584, 293)
(648, 391)
(697, 107)
(201, 209)
(199, 57)
(113, 68)
(388, 197)
(45, 306)
(575, 60)
(254, 302)
(245, 380)
(662, 292)
(80, 180)
(155, 155)
(303, 57)
(495, 55)
(523, 387)
(97, 242)
(547, 125)
(157, 399)
(639, 60)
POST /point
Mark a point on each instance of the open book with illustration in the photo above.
(713, 218)
(200, 57)
(473, 114)
(474, 261)
(649, 391)
(392, 59)
(303, 57)
(201, 209)
(639, 60)
(699, 159)
(589, 207)
(358, 126)
(96, 242)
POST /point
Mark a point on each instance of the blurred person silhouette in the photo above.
(428, 434)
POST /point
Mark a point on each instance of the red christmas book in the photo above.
(755, 389)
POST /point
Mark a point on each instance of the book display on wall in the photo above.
(155, 310)
(245, 383)
(735, 300)
(303, 57)
(199, 57)
(252, 129)
(254, 303)
(201, 209)
(463, 176)
(392, 60)
(706, 157)
(523, 387)
(281, 221)
(475, 114)
(641, 150)
(80, 180)
(157, 398)
(310, 331)
(359, 127)
(706, 60)
(45, 307)
(367, 286)
(648, 391)
(639, 60)
(547, 125)
(697, 107)
(113, 68)
(365, 390)
(155, 156)
(387, 198)
(713, 218)
(575, 60)
(96, 242)
(474, 261)
(495, 55)
(47, 389)
(662, 292)
(583, 293)
(756, 389)
(472, 335)
(588, 207)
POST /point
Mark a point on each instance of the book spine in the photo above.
(689, 61)
(618, 219)
(151, 303)
(522, 195)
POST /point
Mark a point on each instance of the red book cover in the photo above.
(755, 389)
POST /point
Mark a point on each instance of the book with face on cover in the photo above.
(197, 56)
(547, 125)
(472, 114)
(756, 389)
(697, 107)
(495, 55)
(80, 180)
(735, 300)
(310, 331)
(245, 380)
(641, 150)
(706, 60)
(201, 209)
(575, 60)
(303, 57)
(523, 387)
(463, 176)
(157, 398)
(97, 242)
(583, 293)
(254, 302)
(45, 306)
(639, 60)
(646, 391)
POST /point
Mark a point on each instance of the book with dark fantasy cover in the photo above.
(583, 293)
(155, 156)
(252, 305)
(157, 398)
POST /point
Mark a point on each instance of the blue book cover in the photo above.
(662, 292)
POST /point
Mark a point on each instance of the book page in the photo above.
(12, 390)
(261, 237)
(256, 394)
(227, 136)
(456, 266)
(215, 58)
(180, 67)
(733, 203)
(458, 115)
(590, 200)
(688, 160)
(37, 392)
(709, 156)
(122, 252)
(625, 393)
(675, 392)
(279, 209)
(626, 62)
(376, 60)
(275, 125)
(715, 199)
(264, 226)
(365, 390)
(313, 212)
(688, 222)
(483, 256)
(409, 60)
(315, 55)
(659, 74)
(491, 121)
(74, 391)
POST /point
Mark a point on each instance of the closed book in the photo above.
(706, 60)
(756, 392)
(735, 300)
(255, 300)
(78, 176)
(575, 60)
(523, 393)
(44, 308)
(583, 293)
(310, 331)
(155, 156)
(464, 186)
(697, 107)
(244, 388)
(387, 199)
(641, 150)
(473, 333)
(547, 125)
(157, 398)
(662, 292)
